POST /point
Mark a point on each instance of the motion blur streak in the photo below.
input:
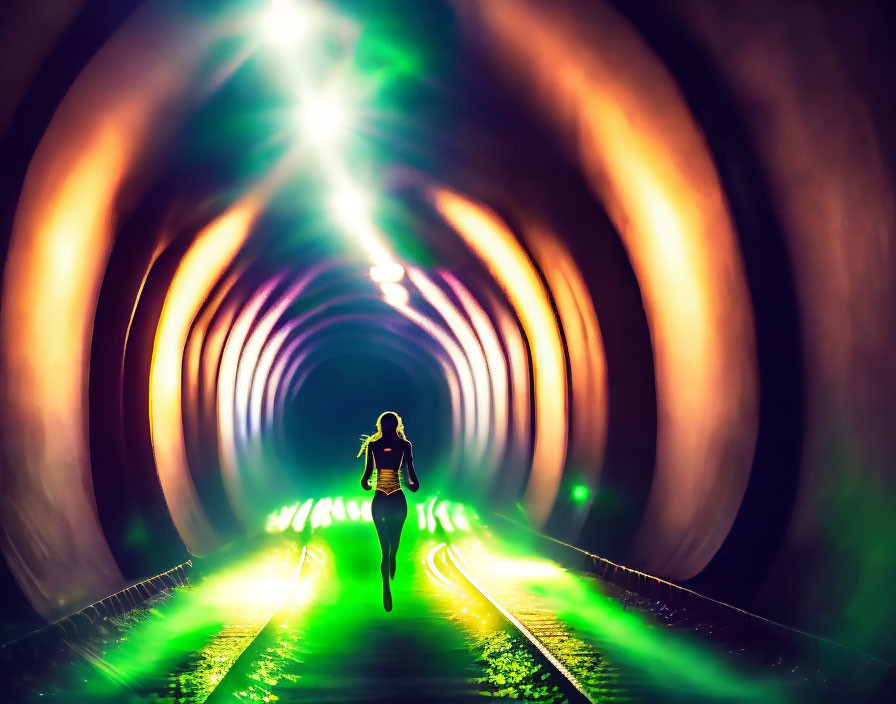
(497, 368)
(213, 347)
(264, 346)
(649, 164)
(59, 246)
(228, 405)
(493, 242)
(518, 366)
(587, 360)
(201, 267)
(472, 350)
(200, 379)
(461, 367)
(283, 356)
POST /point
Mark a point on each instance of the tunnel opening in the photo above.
(337, 400)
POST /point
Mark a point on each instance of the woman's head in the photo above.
(388, 424)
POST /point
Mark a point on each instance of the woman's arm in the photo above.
(368, 470)
(413, 483)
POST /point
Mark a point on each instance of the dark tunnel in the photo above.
(625, 270)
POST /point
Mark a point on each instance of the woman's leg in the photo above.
(380, 511)
(397, 515)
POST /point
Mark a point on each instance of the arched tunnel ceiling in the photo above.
(602, 280)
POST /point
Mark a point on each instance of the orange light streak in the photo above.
(195, 373)
(491, 240)
(59, 247)
(518, 368)
(585, 348)
(200, 268)
(212, 349)
(649, 164)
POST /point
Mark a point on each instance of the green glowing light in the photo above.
(580, 493)
(210, 642)
(527, 569)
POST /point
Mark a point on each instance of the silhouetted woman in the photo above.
(387, 450)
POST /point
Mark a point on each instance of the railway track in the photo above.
(453, 556)
(305, 623)
(446, 681)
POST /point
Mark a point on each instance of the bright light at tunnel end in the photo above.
(351, 206)
(324, 119)
(387, 272)
(286, 24)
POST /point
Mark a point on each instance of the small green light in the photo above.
(580, 493)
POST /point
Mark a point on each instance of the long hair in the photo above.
(367, 439)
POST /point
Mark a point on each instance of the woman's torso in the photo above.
(388, 455)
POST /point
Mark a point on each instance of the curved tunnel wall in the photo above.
(607, 266)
